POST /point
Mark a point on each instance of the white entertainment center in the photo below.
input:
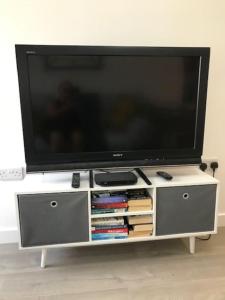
(53, 214)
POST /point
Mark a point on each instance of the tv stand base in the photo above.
(183, 208)
(44, 251)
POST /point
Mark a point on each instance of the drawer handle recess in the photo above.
(186, 196)
(54, 203)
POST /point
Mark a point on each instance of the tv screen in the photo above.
(96, 105)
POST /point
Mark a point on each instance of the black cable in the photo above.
(143, 176)
(205, 239)
(106, 171)
(214, 165)
(91, 181)
(102, 170)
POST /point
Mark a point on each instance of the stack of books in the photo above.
(111, 202)
(139, 200)
(108, 228)
(140, 226)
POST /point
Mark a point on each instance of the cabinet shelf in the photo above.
(126, 240)
(122, 214)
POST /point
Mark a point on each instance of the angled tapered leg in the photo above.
(43, 257)
(192, 244)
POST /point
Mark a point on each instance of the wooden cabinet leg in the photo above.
(192, 244)
(43, 257)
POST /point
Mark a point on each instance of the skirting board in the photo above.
(11, 235)
(221, 220)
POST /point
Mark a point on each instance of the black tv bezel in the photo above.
(51, 162)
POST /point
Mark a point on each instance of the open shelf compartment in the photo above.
(111, 224)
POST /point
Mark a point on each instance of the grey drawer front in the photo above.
(42, 223)
(185, 209)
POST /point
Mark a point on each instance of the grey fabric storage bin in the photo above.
(185, 209)
(53, 218)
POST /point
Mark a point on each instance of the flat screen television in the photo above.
(86, 107)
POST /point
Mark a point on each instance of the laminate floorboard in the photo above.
(150, 270)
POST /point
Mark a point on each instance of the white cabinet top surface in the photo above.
(61, 181)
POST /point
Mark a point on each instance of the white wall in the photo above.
(101, 22)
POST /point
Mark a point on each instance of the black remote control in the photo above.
(76, 180)
(91, 181)
(164, 175)
(143, 176)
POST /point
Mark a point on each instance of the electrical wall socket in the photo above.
(209, 160)
(12, 174)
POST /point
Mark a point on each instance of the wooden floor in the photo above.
(150, 270)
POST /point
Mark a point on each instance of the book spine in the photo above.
(139, 203)
(102, 223)
(96, 211)
(97, 227)
(115, 230)
(139, 208)
(110, 234)
(143, 227)
(105, 200)
(110, 205)
(108, 238)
